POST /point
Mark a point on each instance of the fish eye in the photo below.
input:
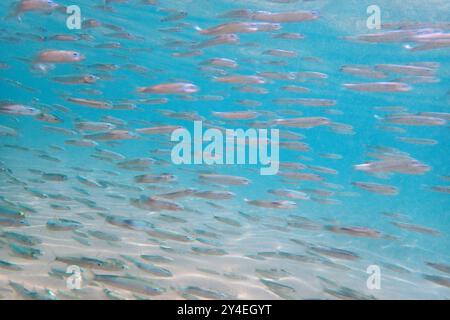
(75, 54)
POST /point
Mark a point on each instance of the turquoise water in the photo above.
(236, 247)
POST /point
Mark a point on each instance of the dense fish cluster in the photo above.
(91, 198)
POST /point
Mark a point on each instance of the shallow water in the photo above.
(406, 233)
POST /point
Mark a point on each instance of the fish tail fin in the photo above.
(88, 275)
(53, 257)
(316, 13)
(14, 13)
(61, 8)
(272, 122)
(347, 38)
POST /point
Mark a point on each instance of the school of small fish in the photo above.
(87, 179)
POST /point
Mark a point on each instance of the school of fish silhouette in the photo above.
(260, 149)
